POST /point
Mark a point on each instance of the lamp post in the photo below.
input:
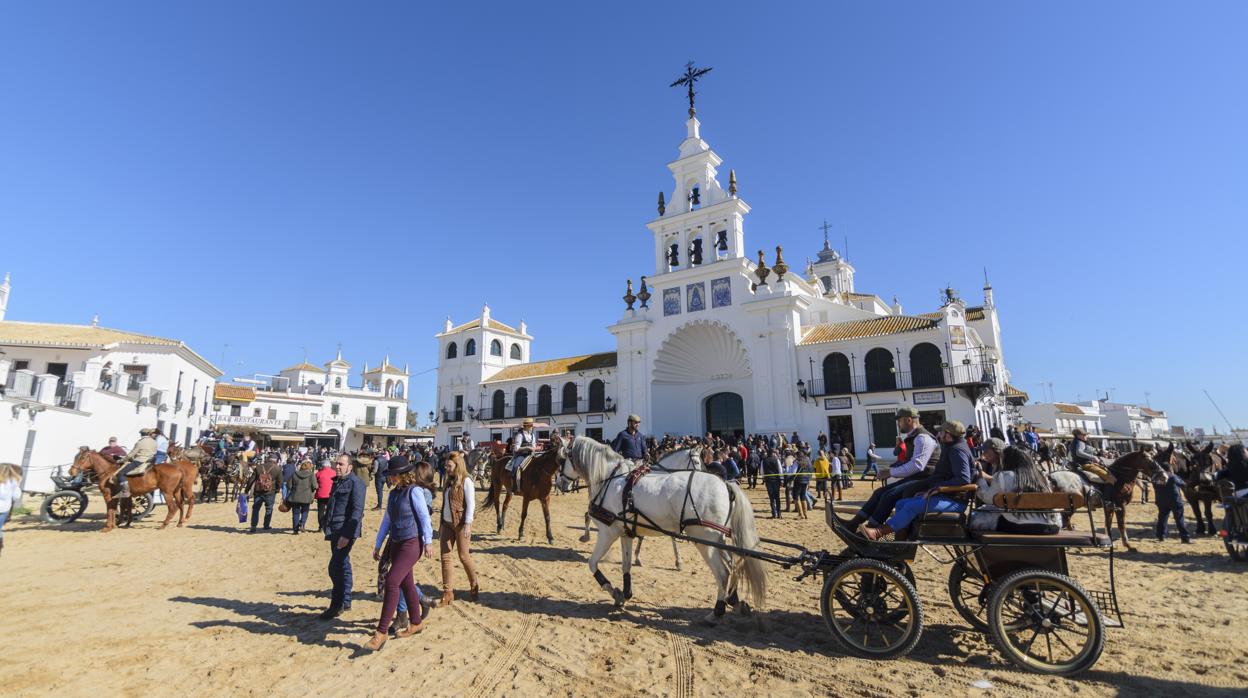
(801, 389)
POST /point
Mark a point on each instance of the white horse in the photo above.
(668, 499)
(476, 460)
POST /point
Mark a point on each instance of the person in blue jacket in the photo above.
(343, 525)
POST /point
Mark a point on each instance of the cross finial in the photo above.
(825, 228)
(691, 76)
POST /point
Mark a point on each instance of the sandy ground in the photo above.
(211, 610)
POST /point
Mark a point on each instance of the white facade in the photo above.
(720, 343)
(1140, 423)
(307, 404)
(56, 397)
(1059, 419)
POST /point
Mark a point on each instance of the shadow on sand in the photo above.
(297, 621)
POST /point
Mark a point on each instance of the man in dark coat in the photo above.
(343, 525)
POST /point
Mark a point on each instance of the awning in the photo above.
(385, 431)
(284, 436)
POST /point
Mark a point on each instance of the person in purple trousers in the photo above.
(406, 523)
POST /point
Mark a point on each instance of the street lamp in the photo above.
(801, 388)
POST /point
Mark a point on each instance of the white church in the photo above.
(715, 340)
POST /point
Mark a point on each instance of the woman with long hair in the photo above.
(406, 523)
(10, 493)
(1017, 472)
(455, 530)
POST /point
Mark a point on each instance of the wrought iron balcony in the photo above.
(881, 381)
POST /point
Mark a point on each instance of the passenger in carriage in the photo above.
(1236, 470)
(1010, 469)
(953, 470)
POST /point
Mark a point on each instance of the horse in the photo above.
(210, 469)
(478, 458)
(1198, 472)
(174, 479)
(1114, 497)
(699, 504)
(536, 481)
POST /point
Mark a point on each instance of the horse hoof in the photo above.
(550, 541)
(618, 597)
(711, 619)
(678, 567)
(744, 609)
(584, 538)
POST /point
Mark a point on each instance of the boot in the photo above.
(448, 597)
(410, 630)
(515, 483)
(474, 592)
(400, 624)
(378, 641)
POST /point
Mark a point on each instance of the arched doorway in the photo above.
(725, 415)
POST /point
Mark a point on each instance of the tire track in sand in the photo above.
(682, 655)
(513, 645)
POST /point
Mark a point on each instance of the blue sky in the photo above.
(283, 175)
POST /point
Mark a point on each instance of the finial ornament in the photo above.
(780, 267)
(662, 204)
(732, 182)
(691, 76)
(629, 298)
(644, 295)
(762, 272)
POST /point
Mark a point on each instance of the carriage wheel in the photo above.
(63, 507)
(142, 505)
(871, 609)
(1045, 622)
(1237, 549)
(969, 594)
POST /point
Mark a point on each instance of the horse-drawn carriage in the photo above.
(69, 500)
(1018, 588)
(1234, 530)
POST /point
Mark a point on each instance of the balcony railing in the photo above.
(540, 410)
(958, 375)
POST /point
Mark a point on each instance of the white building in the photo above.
(1142, 425)
(721, 343)
(1060, 419)
(57, 394)
(316, 405)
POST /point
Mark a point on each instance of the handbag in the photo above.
(241, 508)
(284, 506)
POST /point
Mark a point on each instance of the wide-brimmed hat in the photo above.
(400, 465)
(1078, 432)
(526, 422)
(907, 412)
(146, 432)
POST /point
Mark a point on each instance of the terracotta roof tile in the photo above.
(238, 393)
(1011, 391)
(555, 367)
(1068, 408)
(305, 366)
(493, 325)
(387, 369)
(53, 334)
(857, 329)
(973, 313)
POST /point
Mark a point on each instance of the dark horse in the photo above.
(536, 482)
(1118, 495)
(1198, 472)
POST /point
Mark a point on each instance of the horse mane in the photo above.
(593, 455)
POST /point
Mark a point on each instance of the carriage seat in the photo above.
(948, 524)
(1073, 539)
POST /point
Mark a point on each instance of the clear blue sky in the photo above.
(285, 174)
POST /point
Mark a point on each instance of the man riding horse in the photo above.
(523, 445)
(137, 461)
(1088, 459)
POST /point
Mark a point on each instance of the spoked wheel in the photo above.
(1045, 622)
(143, 505)
(969, 593)
(1236, 547)
(871, 609)
(64, 506)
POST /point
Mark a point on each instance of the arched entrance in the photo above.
(725, 415)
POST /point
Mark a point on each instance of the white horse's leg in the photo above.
(637, 552)
(606, 536)
(714, 560)
(626, 554)
(676, 552)
(585, 536)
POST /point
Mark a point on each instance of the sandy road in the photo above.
(213, 610)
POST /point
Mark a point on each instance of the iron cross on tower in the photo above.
(691, 76)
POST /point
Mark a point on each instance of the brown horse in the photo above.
(536, 481)
(174, 479)
(1118, 495)
(1198, 472)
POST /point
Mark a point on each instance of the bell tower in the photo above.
(700, 222)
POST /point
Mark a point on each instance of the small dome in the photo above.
(827, 254)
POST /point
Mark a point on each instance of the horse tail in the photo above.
(748, 574)
(491, 498)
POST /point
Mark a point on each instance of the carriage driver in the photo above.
(143, 453)
(1087, 458)
(523, 444)
(629, 443)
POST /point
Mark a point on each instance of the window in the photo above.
(292, 420)
(470, 347)
(173, 434)
(594, 433)
(543, 400)
(516, 353)
(879, 369)
(521, 402)
(569, 398)
(452, 350)
(498, 403)
(836, 378)
(597, 396)
(925, 370)
(334, 408)
(459, 408)
(338, 382)
(496, 348)
(256, 413)
(236, 410)
(370, 415)
(316, 417)
(827, 283)
(272, 413)
(392, 420)
(21, 365)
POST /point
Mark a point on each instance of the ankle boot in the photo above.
(448, 597)
(474, 592)
(379, 639)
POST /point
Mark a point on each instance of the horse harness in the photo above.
(630, 516)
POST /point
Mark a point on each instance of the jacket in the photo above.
(631, 446)
(144, 451)
(275, 472)
(953, 469)
(301, 487)
(1081, 453)
(346, 509)
(325, 482)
